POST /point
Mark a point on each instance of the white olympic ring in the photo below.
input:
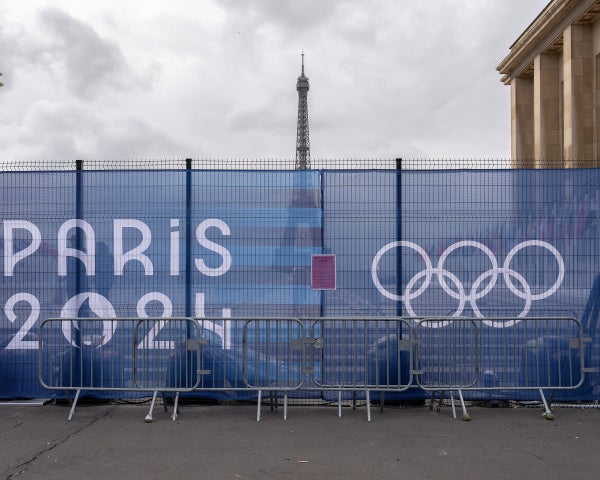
(475, 294)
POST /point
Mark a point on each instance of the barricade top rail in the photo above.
(498, 320)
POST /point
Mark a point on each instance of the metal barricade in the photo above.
(250, 355)
(110, 355)
(361, 354)
(518, 356)
(316, 354)
(274, 357)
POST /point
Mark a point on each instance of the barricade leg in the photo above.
(339, 403)
(439, 402)
(547, 412)
(368, 406)
(164, 399)
(175, 407)
(72, 411)
(453, 404)
(466, 417)
(258, 406)
(148, 418)
(285, 403)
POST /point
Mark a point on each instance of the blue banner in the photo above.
(473, 243)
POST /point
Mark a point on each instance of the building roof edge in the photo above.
(534, 37)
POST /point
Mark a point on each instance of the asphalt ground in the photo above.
(226, 442)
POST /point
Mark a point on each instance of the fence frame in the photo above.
(135, 387)
(312, 339)
(574, 344)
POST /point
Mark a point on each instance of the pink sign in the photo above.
(323, 272)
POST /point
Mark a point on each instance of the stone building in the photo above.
(553, 70)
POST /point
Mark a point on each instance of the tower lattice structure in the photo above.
(302, 138)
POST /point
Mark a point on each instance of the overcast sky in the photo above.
(118, 79)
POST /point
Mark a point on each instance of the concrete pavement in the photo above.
(226, 442)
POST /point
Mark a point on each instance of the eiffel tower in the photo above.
(302, 140)
(299, 232)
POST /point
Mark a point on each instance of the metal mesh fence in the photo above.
(282, 164)
(256, 164)
(236, 238)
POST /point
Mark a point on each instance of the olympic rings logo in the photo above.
(480, 287)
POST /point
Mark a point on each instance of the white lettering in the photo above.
(137, 253)
(17, 343)
(87, 256)
(214, 247)
(150, 342)
(11, 258)
(223, 331)
(174, 264)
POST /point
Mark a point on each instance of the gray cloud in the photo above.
(289, 15)
(387, 78)
(54, 131)
(92, 64)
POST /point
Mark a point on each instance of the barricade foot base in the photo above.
(175, 408)
(148, 418)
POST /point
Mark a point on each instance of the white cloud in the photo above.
(90, 64)
(217, 78)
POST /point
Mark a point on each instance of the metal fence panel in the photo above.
(512, 355)
(107, 355)
(362, 354)
(191, 238)
(163, 354)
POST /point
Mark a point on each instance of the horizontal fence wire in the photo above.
(260, 164)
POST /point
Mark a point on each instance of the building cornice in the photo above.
(541, 34)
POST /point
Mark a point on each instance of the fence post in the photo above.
(399, 234)
(78, 216)
(77, 263)
(323, 249)
(188, 238)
